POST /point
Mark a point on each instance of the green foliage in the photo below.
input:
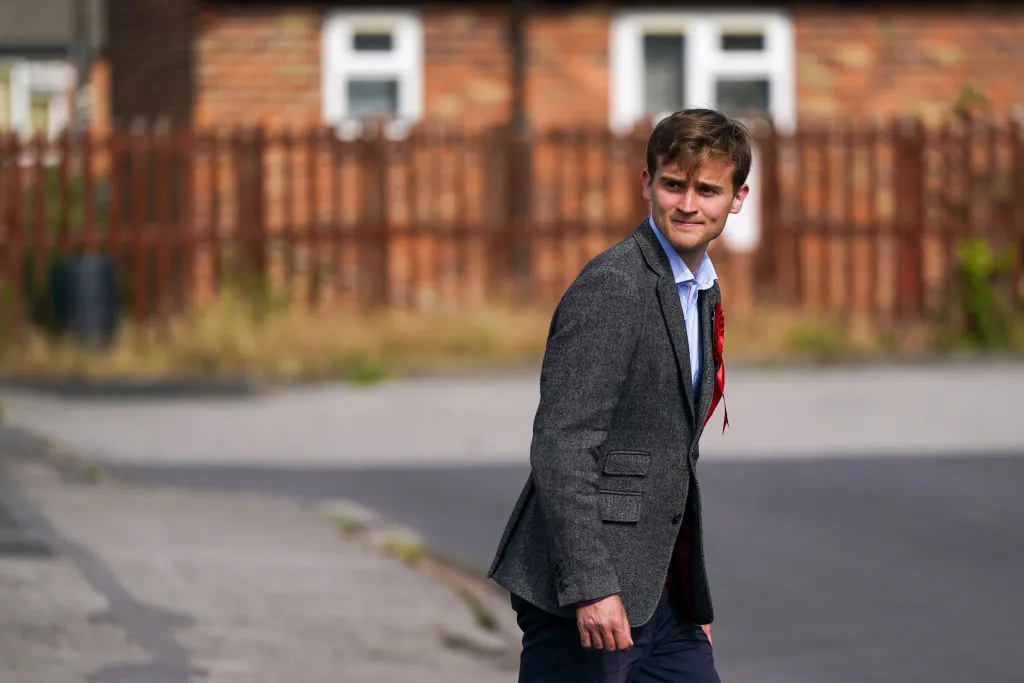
(51, 205)
(38, 290)
(970, 101)
(8, 320)
(983, 315)
(59, 210)
(818, 342)
(358, 368)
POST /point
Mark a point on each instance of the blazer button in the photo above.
(677, 519)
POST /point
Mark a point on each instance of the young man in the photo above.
(603, 553)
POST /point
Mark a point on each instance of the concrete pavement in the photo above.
(786, 413)
(155, 584)
(164, 585)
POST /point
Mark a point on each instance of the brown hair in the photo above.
(692, 136)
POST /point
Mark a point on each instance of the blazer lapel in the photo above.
(706, 300)
(671, 309)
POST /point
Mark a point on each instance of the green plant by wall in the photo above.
(983, 314)
(816, 342)
(970, 101)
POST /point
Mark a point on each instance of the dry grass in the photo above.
(773, 334)
(234, 338)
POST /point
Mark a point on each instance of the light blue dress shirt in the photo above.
(689, 285)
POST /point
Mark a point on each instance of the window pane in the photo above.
(743, 42)
(39, 109)
(743, 97)
(663, 73)
(372, 41)
(5, 103)
(372, 98)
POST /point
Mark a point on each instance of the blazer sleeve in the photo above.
(590, 347)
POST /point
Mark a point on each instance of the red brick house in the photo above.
(551, 64)
(227, 61)
(45, 46)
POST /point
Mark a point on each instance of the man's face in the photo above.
(691, 212)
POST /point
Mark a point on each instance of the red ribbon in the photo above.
(719, 347)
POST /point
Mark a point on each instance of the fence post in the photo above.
(250, 207)
(373, 262)
(520, 212)
(909, 207)
(1017, 211)
(494, 163)
(766, 264)
(14, 219)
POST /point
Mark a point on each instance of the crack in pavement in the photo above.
(151, 628)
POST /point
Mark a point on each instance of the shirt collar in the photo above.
(706, 275)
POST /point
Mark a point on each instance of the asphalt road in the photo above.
(864, 524)
(840, 570)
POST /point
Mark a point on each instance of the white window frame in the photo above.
(705, 61)
(56, 79)
(340, 62)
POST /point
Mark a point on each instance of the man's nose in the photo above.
(688, 202)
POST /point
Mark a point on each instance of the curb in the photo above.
(245, 387)
(180, 387)
(16, 442)
(496, 638)
(932, 360)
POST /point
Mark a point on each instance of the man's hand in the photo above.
(707, 630)
(604, 626)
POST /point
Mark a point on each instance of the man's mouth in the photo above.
(682, 222)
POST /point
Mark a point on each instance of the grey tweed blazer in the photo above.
(614, 451)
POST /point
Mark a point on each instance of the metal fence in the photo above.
(853, 217)
(870, 217)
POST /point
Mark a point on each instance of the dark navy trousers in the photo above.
(667, 649)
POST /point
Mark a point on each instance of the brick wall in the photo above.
(567, 78)
(467, 66)
(263, 64)
(258, 65)
(150, 52)
(907, 61)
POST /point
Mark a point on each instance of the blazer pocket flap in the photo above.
(620, 507)
(627, 462)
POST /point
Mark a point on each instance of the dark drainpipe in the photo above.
(520, 185)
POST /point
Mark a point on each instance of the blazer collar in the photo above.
(650, 247)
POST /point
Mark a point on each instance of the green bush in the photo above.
(816, 342)
(983, 311)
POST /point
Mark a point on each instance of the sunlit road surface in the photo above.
(862, 526)
(922, 410)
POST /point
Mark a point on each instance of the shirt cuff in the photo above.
(591, 602)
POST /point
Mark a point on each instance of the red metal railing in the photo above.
(853, 217)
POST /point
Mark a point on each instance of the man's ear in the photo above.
(737, 200)
(645, 177)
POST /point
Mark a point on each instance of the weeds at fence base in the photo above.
(238, 337)
(234, 336)
(981, 313)
(768, 335)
